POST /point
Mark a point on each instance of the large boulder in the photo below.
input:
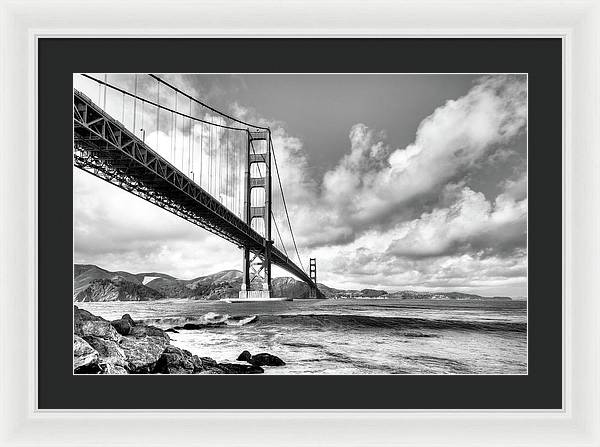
(139, 331)
(84, 315)
(206, 365)
(262, 359)
(174, 360)
(142, 353)
(128, 318)
(245, 356)
(110, 352)
(122, 345)
(126, 347)
(85, 357)
(122, 326)
(108, 368)
(100, 329)
(265, 359)
(87, 325)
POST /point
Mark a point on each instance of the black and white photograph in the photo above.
(300, 224)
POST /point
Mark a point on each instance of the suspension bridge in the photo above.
(148, 137)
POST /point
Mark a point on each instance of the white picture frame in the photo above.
(576, 22)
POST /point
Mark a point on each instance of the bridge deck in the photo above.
(106, 149)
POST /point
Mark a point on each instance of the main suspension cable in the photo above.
(206, 105)
(161, 106)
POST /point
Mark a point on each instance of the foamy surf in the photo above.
(207, 320)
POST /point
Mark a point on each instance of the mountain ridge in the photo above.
(93, 283)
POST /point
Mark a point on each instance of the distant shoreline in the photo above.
(92, 284)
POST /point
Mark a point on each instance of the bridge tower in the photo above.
(313, 277)
(257, 213)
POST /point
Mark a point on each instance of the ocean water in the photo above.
(353, 336)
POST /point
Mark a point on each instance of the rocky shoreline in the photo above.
(124, 346)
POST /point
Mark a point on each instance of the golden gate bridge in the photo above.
(150, 138)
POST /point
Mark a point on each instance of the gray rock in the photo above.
(108, 368)
(87, 324)
(85, 357)
(245, 356)
(189, 326)
(110, 352)
(122, 326)
(84, 315)
(128, 318)
(97, 328)
(207, 362)
(125, 347)
(265, 359)
(139, 331)
(262, 359)
(174, 360)
(143, 352)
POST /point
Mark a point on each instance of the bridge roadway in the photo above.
(106, 149)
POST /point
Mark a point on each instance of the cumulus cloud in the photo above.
(375, 185)
(373, 182)
(470, 224)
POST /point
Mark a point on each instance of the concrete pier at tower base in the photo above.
(248, 296)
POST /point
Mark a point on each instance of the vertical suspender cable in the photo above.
(142, 129)
(171, 132)
(157, 113)
(210, 160)
(190, 141)
(227, 168)
(219, 153)
(219, 164)
(134, 101)
(201, 148)
(243, 164)
(235, 166)
(175, 135)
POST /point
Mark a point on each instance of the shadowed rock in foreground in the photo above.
(125, 347)
(262, 359)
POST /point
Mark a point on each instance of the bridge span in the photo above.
(112, 151)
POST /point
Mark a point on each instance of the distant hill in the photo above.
(92, 283)
(117, 289)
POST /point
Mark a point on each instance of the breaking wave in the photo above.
(411, 326)
(401, 323)
(206, 320)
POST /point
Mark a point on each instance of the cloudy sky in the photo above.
(392, 181)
